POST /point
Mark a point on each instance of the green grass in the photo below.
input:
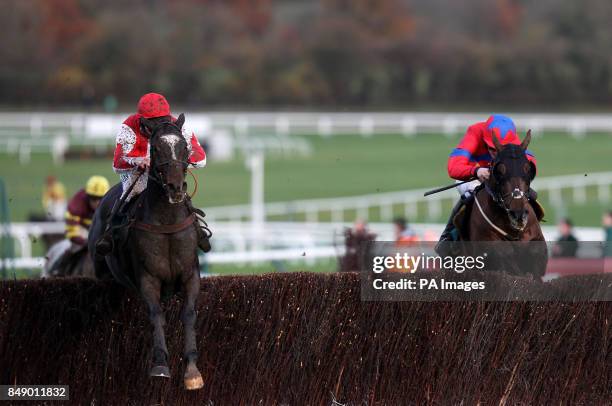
(339, 166)
(322, 265)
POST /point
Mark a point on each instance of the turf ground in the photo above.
(339, 166)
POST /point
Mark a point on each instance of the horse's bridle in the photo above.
(500, 199)
(154, 172)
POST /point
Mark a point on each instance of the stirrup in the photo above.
(204, 234)
(104, 246)
(202, 229)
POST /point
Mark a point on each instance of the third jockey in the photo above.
(471, 159)
(79, 214)
(132, 154)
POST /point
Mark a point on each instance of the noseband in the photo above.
(500, 200)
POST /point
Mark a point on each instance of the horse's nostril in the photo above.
(519, 215)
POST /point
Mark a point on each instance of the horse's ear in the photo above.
(498, 145)
(526, 140)
(180, 121)
(146, 127)
(532, 170)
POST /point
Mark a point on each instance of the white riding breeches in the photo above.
(127, 178)
(467, 188)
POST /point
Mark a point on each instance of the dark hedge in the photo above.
(307, 339)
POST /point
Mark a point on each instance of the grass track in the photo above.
(339, 166)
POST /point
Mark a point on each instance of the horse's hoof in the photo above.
(160, 370)
(195, 382)
(193, 379)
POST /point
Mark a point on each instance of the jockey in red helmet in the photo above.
(471, 159)
(132, 152)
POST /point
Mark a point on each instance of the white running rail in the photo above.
(283, 241)
(231, 222)
(24, 133)
(103, 125)
(412, 201)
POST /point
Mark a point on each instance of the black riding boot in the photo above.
(450, 233)
(104, 245)
(447, 234)
(201, 227)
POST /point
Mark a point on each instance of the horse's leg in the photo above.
(150, 289)
(191, 289)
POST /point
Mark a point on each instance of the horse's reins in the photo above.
(163, 228)
(488, 220)
(499, 200)
(195, 183)
(154, 175)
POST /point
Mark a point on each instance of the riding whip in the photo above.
(443, 188)
(119, 205)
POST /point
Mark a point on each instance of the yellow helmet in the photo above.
(97, 186)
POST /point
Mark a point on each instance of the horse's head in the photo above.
(169, 153)
(511, 176)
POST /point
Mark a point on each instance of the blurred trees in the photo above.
(370, 53)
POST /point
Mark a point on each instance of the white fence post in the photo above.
(337, 214)
(363, 210)
(580, 193)
(366, 126)
(435, 208)
(386, 211)
(408, 126)
(411, 210)
(324, 126)
(603, 192)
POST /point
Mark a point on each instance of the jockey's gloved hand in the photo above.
(144, 164)
(483, 174)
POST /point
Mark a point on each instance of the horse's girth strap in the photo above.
(165, 229)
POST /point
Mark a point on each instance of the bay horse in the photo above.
(502, 211)
(158, 255)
